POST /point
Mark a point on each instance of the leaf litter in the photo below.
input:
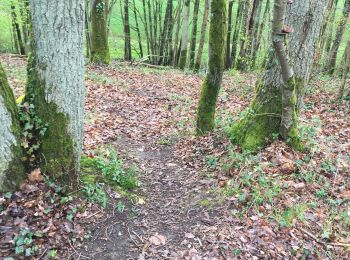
(202, 198)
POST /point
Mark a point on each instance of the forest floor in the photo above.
(199, 198)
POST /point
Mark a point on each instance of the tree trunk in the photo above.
(345, 70)
(99, 37)
(148, 40)
(254, 30)
(211, 86)
(11, 167)
(177, 33)
(236, 32)
(265, 20)
(56, 84)
(18, 32)
(183, 54)
(332, 58)
(137, 29)
(202, 39)
(228, 38)
(164, 41)
(243, 60)
(263, 117)
(194, 34)
(330, 28)
(24, 11)
(127, 43)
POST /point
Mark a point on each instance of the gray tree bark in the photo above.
(56, 86)
(264, 118)
(11, 167)
(183, 54)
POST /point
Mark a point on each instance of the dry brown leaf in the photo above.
(35, 176)
(158, 240)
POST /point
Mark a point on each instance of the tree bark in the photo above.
(332, 58)
(211, 86)
(194, 33)
(99, 35)
(11, 167)
(137, 29)
(236, 32)
(202, 39)
(345, 70)
(17, 30)
(56, 84)
(228, 38)
(243, 60)
(177, 33)
(263, 117)
(127, 43)
(183, 54)
(265, 20)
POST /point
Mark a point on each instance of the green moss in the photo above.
(211, 86)
(99, 37)
(57, 156)
(15, 173)
(260, 120)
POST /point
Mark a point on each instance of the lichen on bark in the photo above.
(11, 168)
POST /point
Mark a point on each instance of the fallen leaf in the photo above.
(157, 240)
(35, 176)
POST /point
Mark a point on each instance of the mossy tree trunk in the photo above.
(11, 167)
(194, 33)
(202, 38)
(263, 117)
(345, 70)
(55, 84)
(17, 29)
(228, 38)
(211, 86)
(99, 33)
(332, 58)
(183, 53)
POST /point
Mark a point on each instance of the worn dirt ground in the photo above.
(202, 198)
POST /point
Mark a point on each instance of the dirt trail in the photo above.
(168, 187)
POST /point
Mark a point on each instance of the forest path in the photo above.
(142, 121)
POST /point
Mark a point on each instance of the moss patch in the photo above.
(15, 173)
(57, 155)
(260, 121)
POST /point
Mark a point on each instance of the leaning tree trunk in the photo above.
(211, 86)
(99, 34)
(11, 167)
(332, 58)
(345, 70)
(183, 54)
(263, 117)
(55, 84)
(202, 39)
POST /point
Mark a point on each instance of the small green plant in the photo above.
(52, 254)
(120, 206)
(96, 193)
(286, 217)
(33, 128)
(211, 161)
(24, 243)
(328, 166)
